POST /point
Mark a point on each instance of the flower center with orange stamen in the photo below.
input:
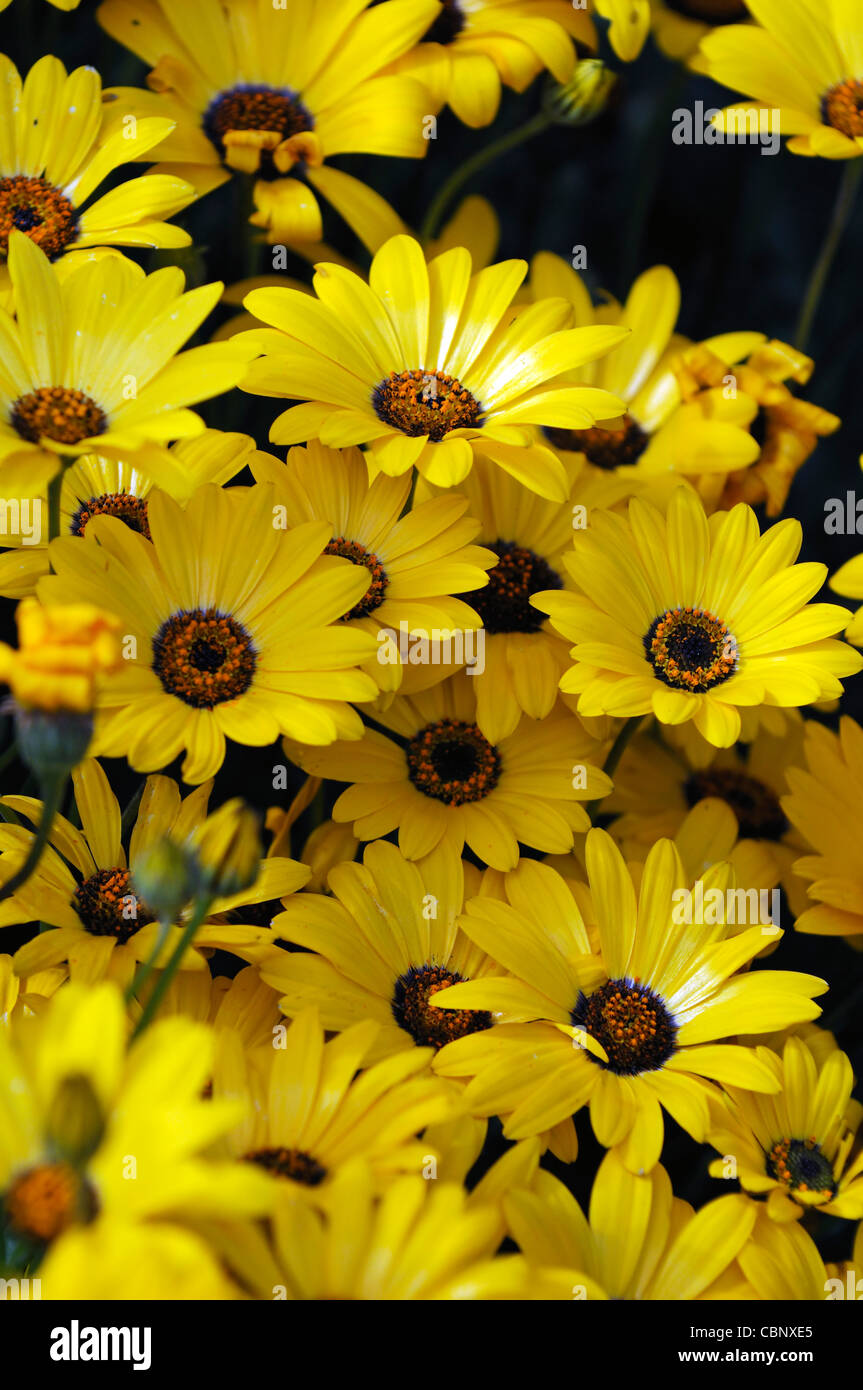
(448, 25)
(504, 604)
(432, 403)
(842, 107)
(358, 555)
(255, 106)
(452, 761)
(710, 11)
(132, 510)
(690, 650)
(43, 1201)
(756, 806)
(289, 1163)
(36, 207)
(204, 657)
(800, 1165)
(61, 413)
(631, 1022)
(427, 1026)
(107, 905)
(603, 448)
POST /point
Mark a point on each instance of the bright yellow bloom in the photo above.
(277, 91)
(802, 60)
(426, 364)
(690, 618)
(63, 651)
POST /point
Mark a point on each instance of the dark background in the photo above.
(740, 229)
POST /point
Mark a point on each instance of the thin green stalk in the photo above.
(52, 797)
(146, 968)
(616, 752)
(199, 912)
(845, 197)
(54, 489)
(460, 176)
(131, 811)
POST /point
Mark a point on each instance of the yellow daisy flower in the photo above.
(823, 804)
(636, 1028)
(122, 387)
(795, 1148)
(97, 486)
(226, 643)
(475, 46)
(436, 777)
(84, 883)
(417, 562)
(781, 1263)
(273, 92)
(93, 1131)
(310, 1109)
(639, 1241)
(690, 618)
(385, 942)
(60, 141)
(427, 363)
(803, 61)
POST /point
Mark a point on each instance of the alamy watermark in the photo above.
(744, 125)
(416, 646)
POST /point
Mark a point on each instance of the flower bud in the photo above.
(163, 878)
(227, 850)
(75, 1122)
(329, 844)
(584, 97)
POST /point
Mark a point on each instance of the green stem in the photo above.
(52, 797)
(199, 912)
(128, 818)
(146, 968)
(848, 186)
(54, 489)
(460, 176)
(616, 752)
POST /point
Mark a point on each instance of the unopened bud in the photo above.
(75, 1122)
(227, 850)
(329, 844)
(583, 98)
(163, 878)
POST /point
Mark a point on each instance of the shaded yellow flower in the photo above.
(62, 652)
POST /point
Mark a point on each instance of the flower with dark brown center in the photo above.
(756, 806)
(448, 25)
(204, 657)
(34, 206)
(289, 1163)
(45, 1200)
(359, 555)
(603, 448)
(504, 604)
(132, 510)
(418, 402)
(800, 1165)
(711, 11)
(430, 1027)
(631, 1023)
(842, 107)
(61, 413)
(258, 107)
(451, 761)
(690, 650)
(107, 905)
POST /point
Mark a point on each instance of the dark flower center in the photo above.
(45, 1200)
(107, 905)
(255, 106)
(132, 510)
(358, 555)
(690, 650)
(448, 25)
(34, 206)
(504, 604)
(603, 448)
(801, 1166)
(631, 1022)
(204, 657)
(842, 107)
(289, 1163)
(710, 11)
(756, 806)
(427, 1026)
(453, 762)
(61, 413)
(432, 403)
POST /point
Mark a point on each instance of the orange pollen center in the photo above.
(35, 207)
(60, 413)
(631, 1022)
(427, 1026)
(107, 905)
(132, 510)
(358, 555)
(607, 449)
(690, 650)
(43, 1201)
(800, 1165)
(255, 106)
(289, 1163)
(204, 657)
(451, 761)
(426, 403)
(842, 107)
